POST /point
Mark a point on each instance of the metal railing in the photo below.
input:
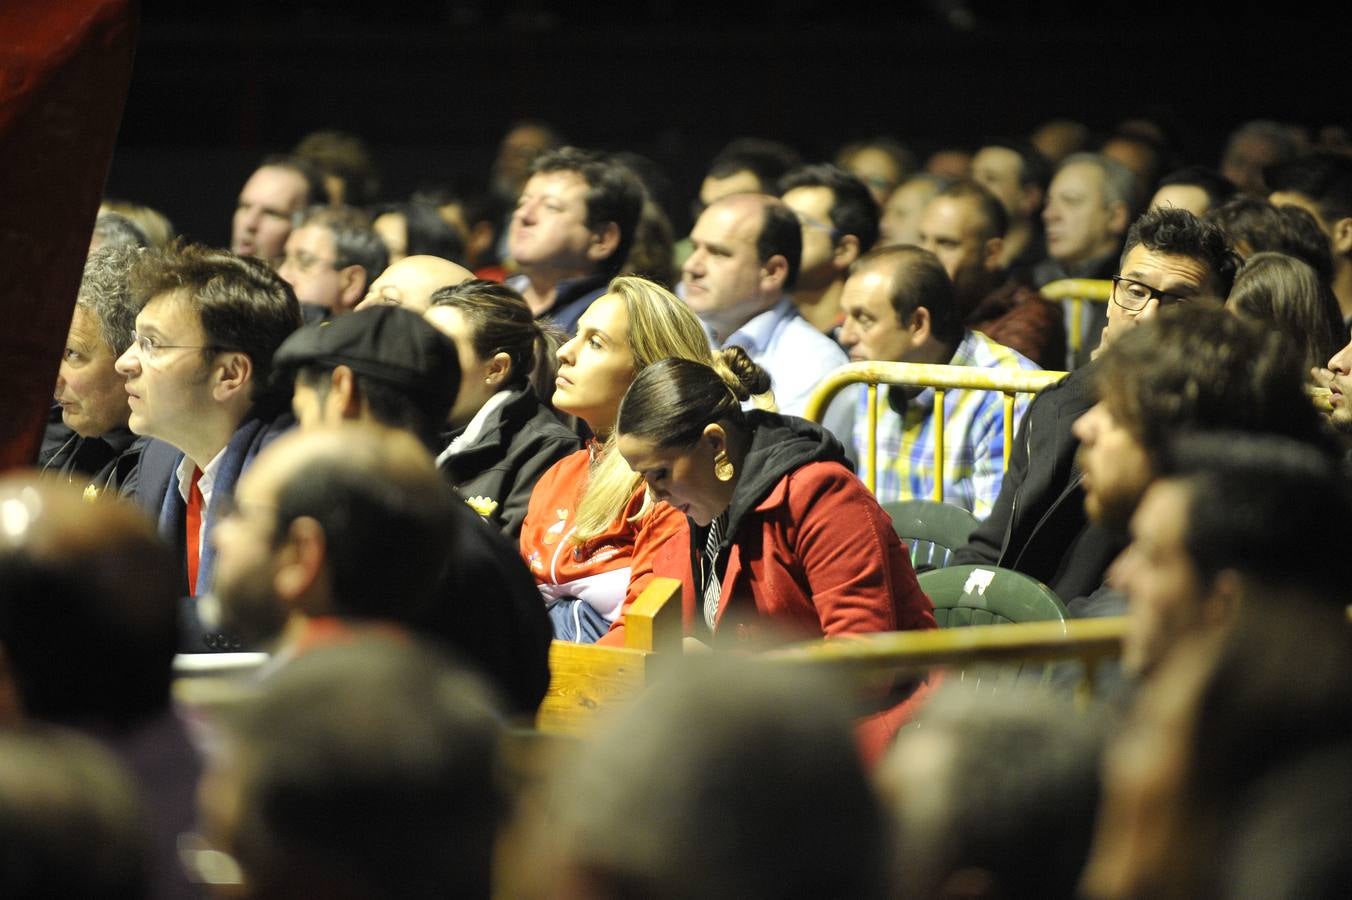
(1009, 382)
(1077, 292)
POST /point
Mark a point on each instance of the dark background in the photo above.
(433, 85)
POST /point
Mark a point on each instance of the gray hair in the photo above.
(1119, 184)
(115, 230)
(106, 295)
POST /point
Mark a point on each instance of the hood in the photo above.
(779, 445)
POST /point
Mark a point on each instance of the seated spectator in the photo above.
(351, 177)
(1255, 226)
(157, 228)
(1321, 184)
(504, 432)
(1255, 147)
(332, 256)
(881, 163)
(900, 307)
(738, 281)
(361, 772)
(840, 223)
(784, 542)
(964, 226)
(1190, 369)
(572, 230)
(1285, 294)
(1194, 188)
(199, 380)
(386, 366)
(1229, 713)
(1059, 138)
(88, 630)
(900, 218)
(93, 445)
(1017, 175)
(760, 791)
(978, 775)
(412, 281)
(277, 191)
(1088, 210)
(70, 821)
(115, 230)
(745, 165)
(591, 531)
(416, 229)
(1038, 524)
(1231, 516)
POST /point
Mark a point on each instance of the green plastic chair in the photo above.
(989, 595)
(930, 530)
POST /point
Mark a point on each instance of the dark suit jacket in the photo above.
(520, 441)
(155, 489)
(1038, 524)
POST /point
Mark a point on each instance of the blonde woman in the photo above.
(591, 530)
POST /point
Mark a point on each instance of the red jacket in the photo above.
(815, 556)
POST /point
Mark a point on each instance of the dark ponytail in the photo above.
(671, 401)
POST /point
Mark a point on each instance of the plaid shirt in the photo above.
(974, 435)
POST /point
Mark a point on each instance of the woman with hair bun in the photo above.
(783, 536)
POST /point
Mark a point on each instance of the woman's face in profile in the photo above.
(597, 366)
(682, 477)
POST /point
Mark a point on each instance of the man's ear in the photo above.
(1341, 237)
(351, 286)
(300, 568)
(1032, 197)
(992, 253)
(605, 239)
(1119, 217)
(845, 252)
(344, 399)
(1220, 603)
(921, 325)
(774, 272)
(234, 375)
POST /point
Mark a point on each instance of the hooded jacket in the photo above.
(807, 552)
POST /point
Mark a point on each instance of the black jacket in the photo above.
(1038, 524)
(519, 442)
(100, 464)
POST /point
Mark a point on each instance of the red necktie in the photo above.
(194, 529)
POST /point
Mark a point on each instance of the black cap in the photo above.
(384, 343)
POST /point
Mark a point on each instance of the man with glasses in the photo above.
(1038, 525)
(199, 381)
(840, 224)
(331, 259)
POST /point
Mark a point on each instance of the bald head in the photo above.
(411, 282)
(85, 587)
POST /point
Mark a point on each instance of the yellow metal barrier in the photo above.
(1077, 291)
(942, 379)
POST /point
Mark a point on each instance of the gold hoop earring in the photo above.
(723, 469)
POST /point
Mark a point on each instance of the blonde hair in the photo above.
(661, 326)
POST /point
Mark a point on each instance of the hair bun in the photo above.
(741, 372)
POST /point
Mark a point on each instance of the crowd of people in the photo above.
(402, 445)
